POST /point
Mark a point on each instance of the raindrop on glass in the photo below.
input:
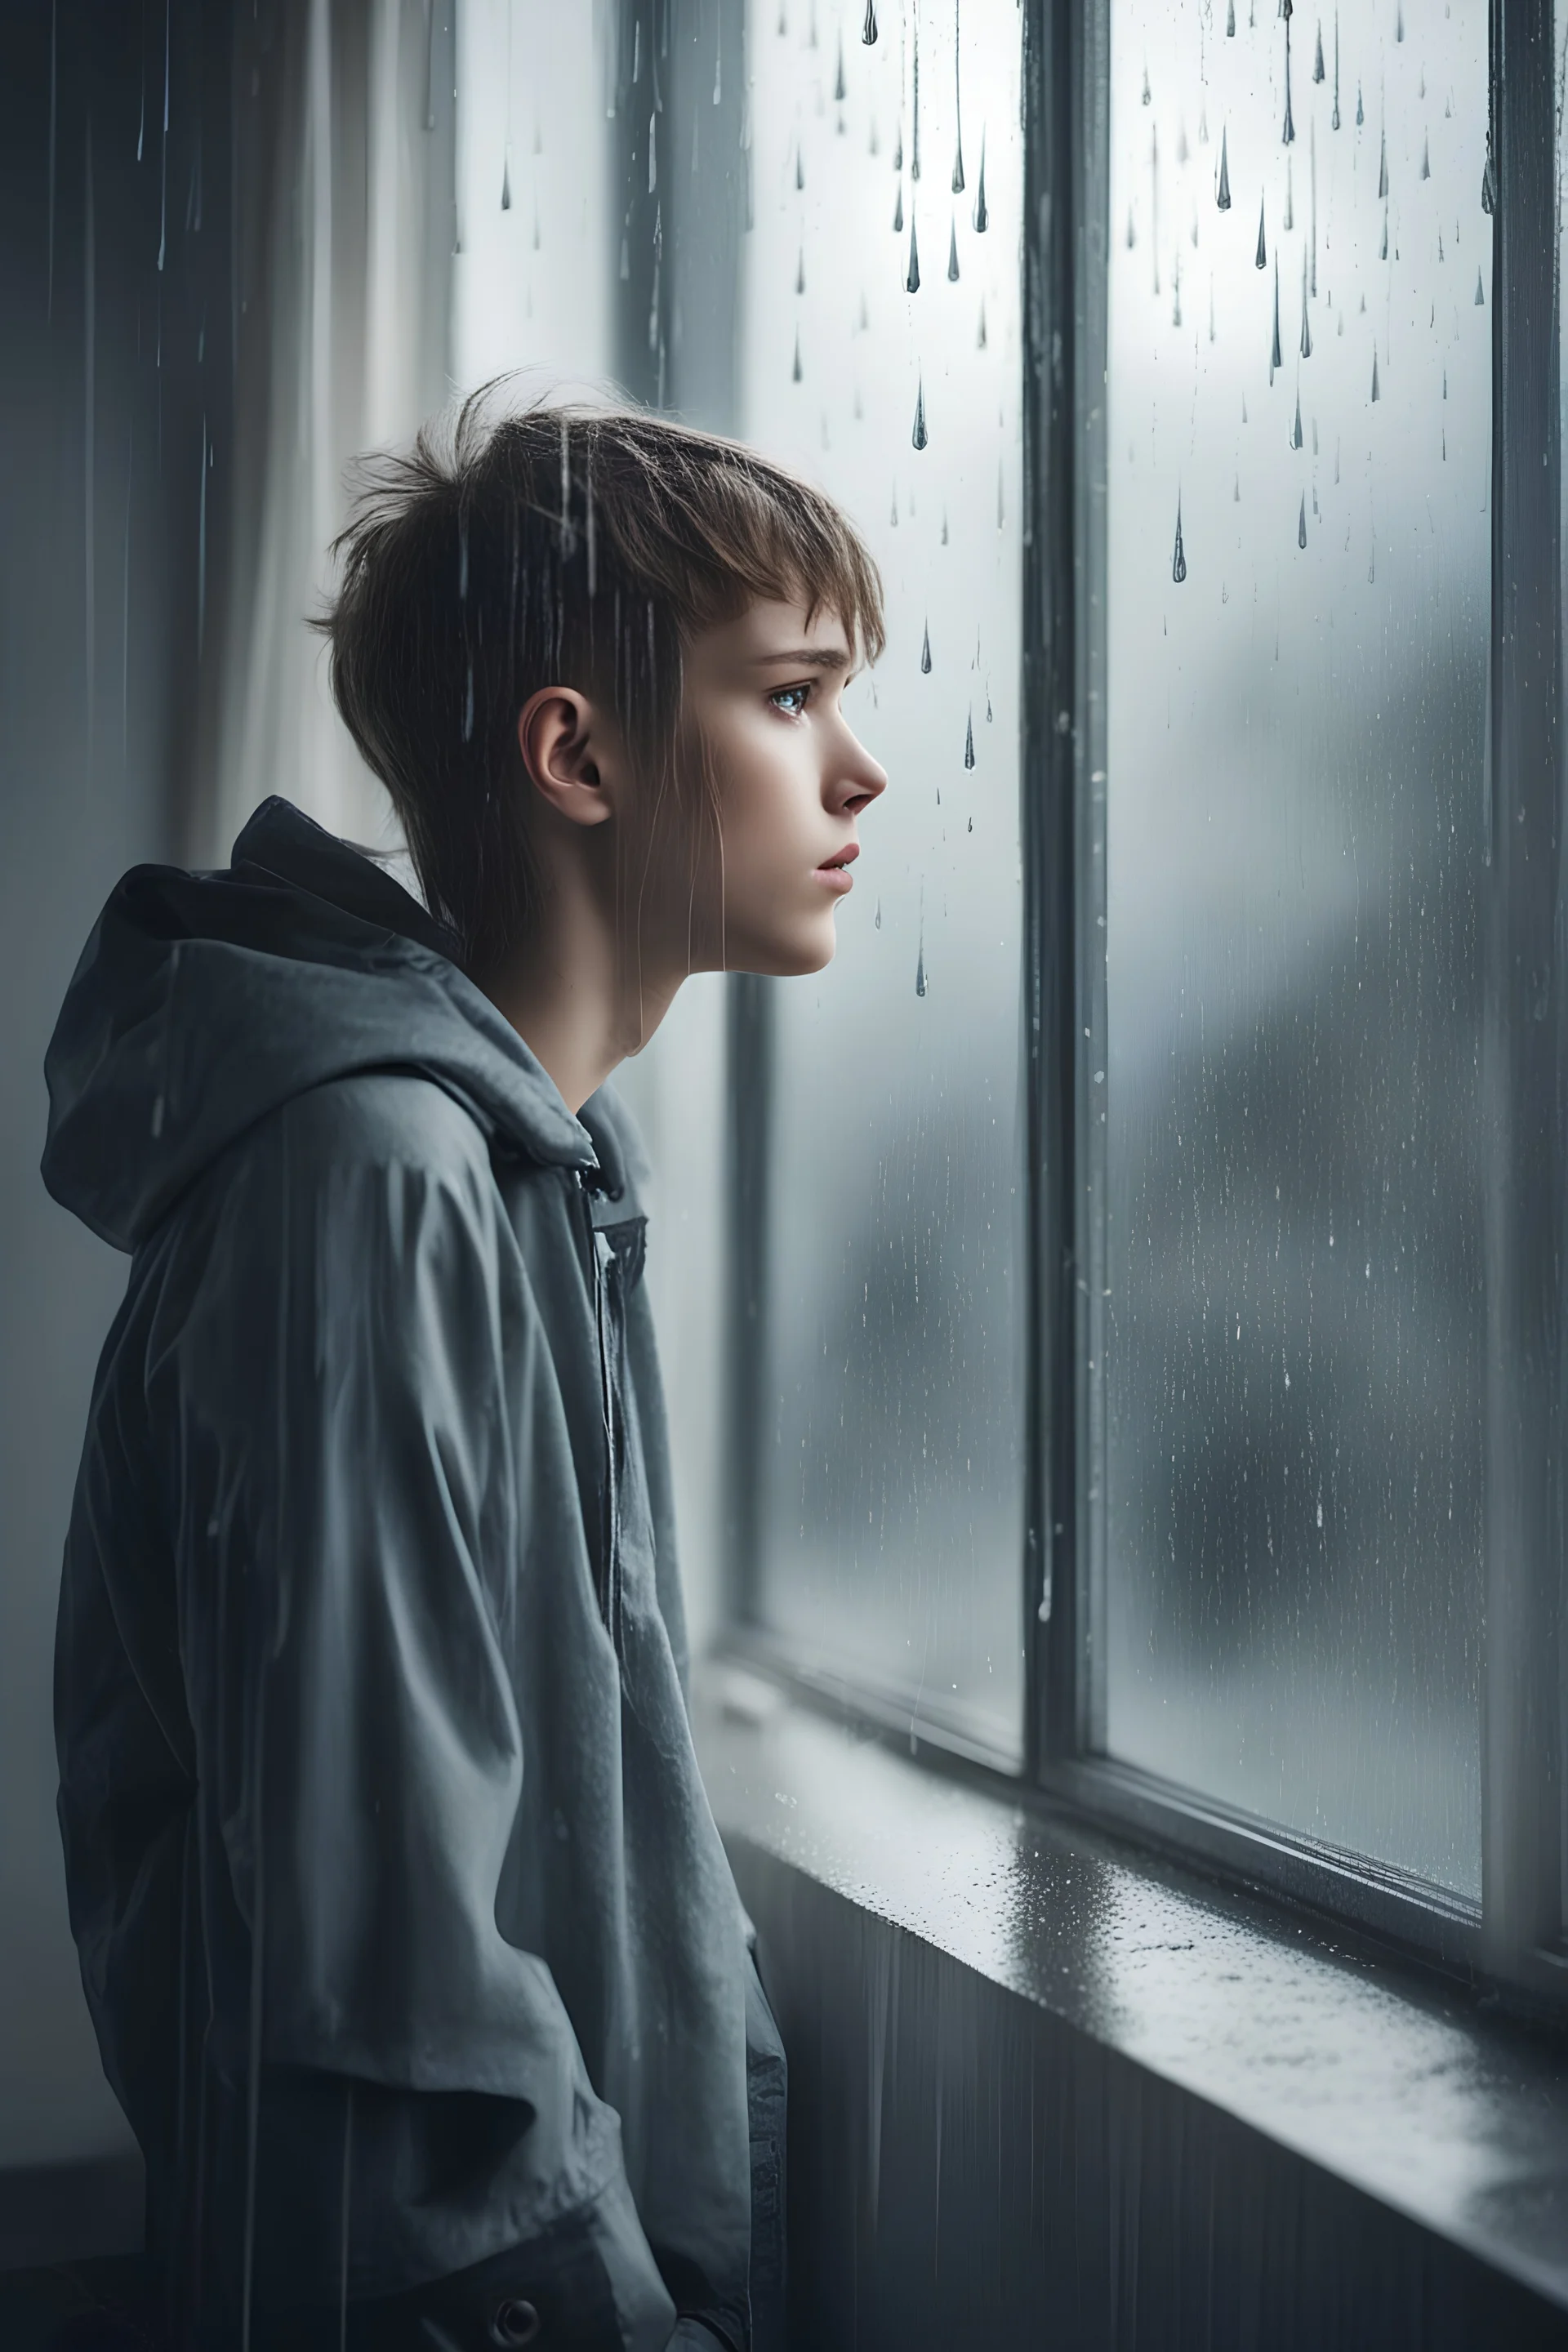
(919, 435)
(912, 275)
(1230, 20)
(878, 917)
(1262, 255)
(1382, 165)
(1376, 393)
(981, 217)
(899, 211)
(988, 706)
(1360, 109)
(1147, 95)
(795, 371)
(1317, 73)
(1182, 151)
(1179, 555)
(1480, 297)
(979, 340)
(1444, 384)
(1289, 220)
(1399, 23)
(799, 168)
(506, 183)
(800, 272)
(1235, 492)
(945, 526)
(1301, 526)
(952, 254)
(925, 652)
(1132, 235)
(1274, 357)
(1222, 193)
(1288, 132)
(921, 970)
(869, 26)
(969, 745)
(1296, 428)
(840, 90)
(1489, 182)
(1306, 324)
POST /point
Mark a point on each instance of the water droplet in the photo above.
(971, 824)
(1489, 182)
(795, 371)
(1301, 526)
(1425, 157)
(893, 512)
(969, 742)
(988, 706)
(506, 183)
(919, 435)
(912, 276)
(925, 652)
(1222, 193)
(1296, 428)
(1244, 408)
(899, 211)
(945, 526)
(1444, 384)
(869, 26)
(879, 916)
(1230, 20)
(981, 338)
(800, 272)
(1147, 95)
(1202, 126)
(840, 90)
(981, 217)
(1334, 117)
(1262, 256)
(1382, 165)
(1439, 245)
(1274, 359)
(1288, 132)
(1179, 558)
(1131, 234)
(799, 168)
(952, 254)
(1306, 324)
(1360, 109)
(1235, 493)
(1176, 295)
(1375, 394)
(920, 969)
(1480, 297)
(1399, 23)
(1314, 436)
(1318, 61)
(1182, 151)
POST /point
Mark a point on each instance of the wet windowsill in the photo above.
(1381, 2076)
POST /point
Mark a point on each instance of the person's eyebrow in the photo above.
(805, 656)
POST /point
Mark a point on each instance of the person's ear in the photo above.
(566, 748)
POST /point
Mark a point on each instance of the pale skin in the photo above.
(586, 988)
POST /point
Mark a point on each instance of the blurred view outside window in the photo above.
(880, 345)
(1284, 1359)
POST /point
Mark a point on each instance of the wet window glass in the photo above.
(1282, 1089)
(880, 346)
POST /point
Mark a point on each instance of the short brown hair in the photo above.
(563, 544)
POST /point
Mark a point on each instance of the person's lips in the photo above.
(834, 871)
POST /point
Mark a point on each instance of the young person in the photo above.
(414, 1956)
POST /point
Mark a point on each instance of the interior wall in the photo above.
(115, 404)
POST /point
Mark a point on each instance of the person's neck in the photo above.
(575, 996)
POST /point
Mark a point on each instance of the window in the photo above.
(1146, 1340)
(881, 346)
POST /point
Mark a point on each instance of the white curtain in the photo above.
(345, 227)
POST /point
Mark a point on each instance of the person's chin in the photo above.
(791, 958)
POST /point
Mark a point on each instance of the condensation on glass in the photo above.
(1281, 1090)
(881, 332)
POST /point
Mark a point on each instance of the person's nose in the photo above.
(859, 779)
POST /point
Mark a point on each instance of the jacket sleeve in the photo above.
(369, 1441)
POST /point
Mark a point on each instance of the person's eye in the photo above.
(791, 699)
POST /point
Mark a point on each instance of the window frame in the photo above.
(1513, 1938)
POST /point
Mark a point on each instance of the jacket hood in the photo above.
(202, 1001)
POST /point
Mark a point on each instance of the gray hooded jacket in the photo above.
(412, 1953)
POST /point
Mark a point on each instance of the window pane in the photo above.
(892, 1492)
(1282, 1101)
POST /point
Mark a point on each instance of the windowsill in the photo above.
(1369, 2070)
